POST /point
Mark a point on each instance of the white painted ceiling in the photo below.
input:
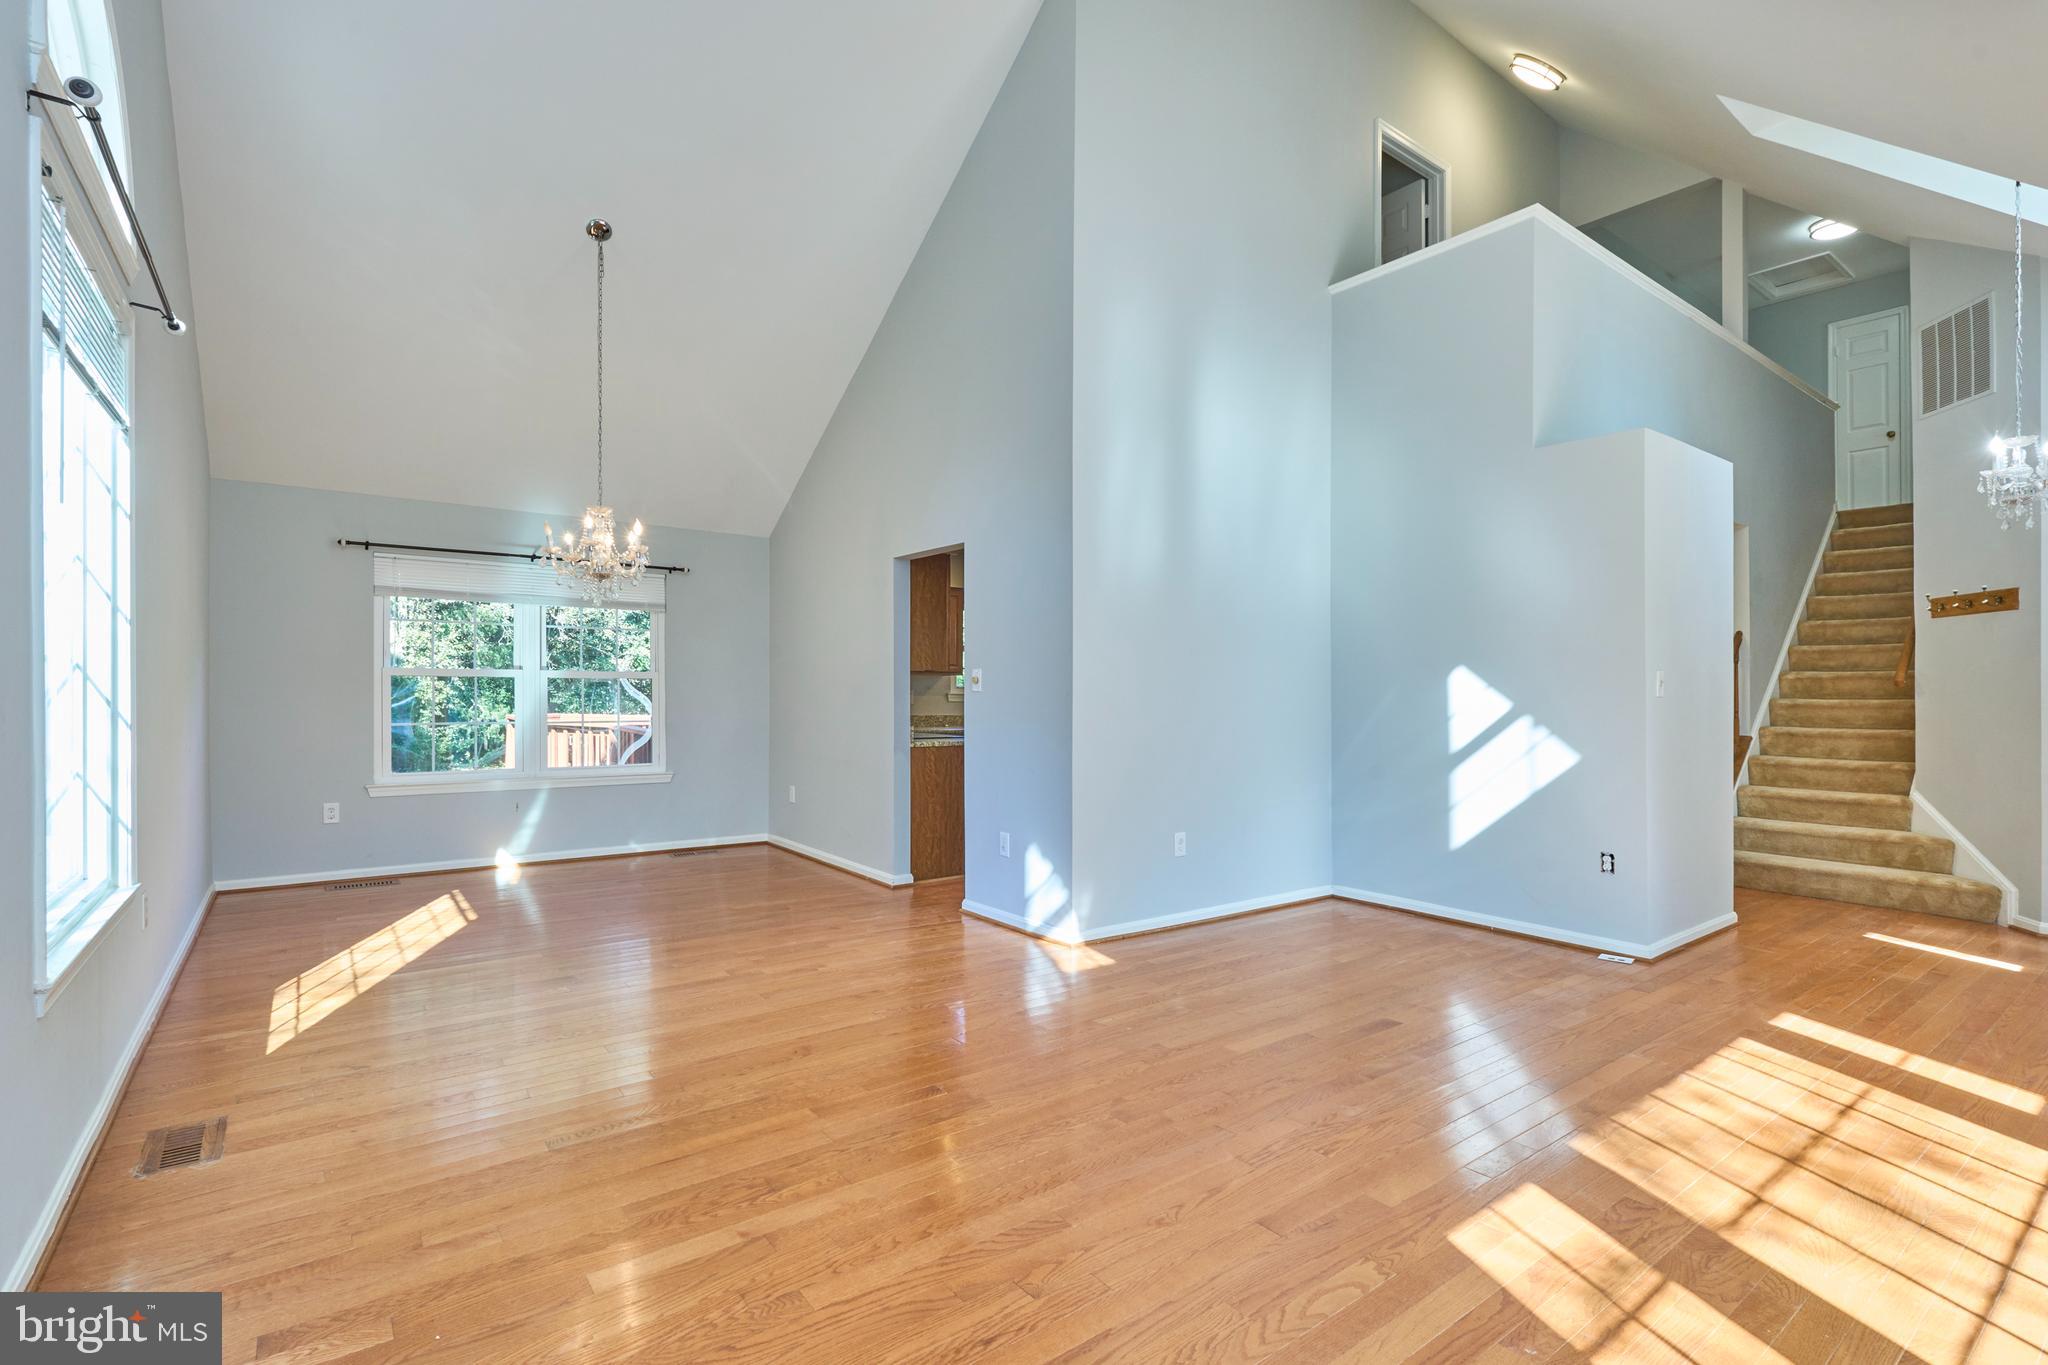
(392, 292)
(1946, 79)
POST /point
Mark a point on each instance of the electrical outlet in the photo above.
(330, 813)
(792, 796)
(1003, 843)
(1180, 844)
(1607, 862)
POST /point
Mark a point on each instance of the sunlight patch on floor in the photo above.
(1914, 1222)
(1594, 1292)
(1998, 1092)
(306, 999)
(1947, 952)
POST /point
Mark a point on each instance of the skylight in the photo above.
(1908, 167)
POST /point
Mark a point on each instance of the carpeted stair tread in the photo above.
(1871, 537)
(1879, 658)
(1858, 606)
(1893, 514)
(1873, 776)
(1875, 581)
(1865, 810)
(1845, 685)
(1871, 630)
(1812, 741)
(1845, 844)
(1892, 888)
(1864, 561)
(1842, 713)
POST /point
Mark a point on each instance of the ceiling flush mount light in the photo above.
(1828, 230)
(2013, 487)
(1534, 71)
(594, 562)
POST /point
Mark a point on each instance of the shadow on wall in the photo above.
(1521, 759)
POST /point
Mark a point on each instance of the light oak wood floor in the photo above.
(733, 1105)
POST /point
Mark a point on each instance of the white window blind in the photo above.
(74, 309)
(500, 580)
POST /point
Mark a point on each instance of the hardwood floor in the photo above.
(733, 1105)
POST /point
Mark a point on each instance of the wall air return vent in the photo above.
(1955, 357)
(1803, 276)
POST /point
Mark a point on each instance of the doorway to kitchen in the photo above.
(935, 705)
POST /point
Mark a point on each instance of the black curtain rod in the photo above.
(86, 107)
(531, 558)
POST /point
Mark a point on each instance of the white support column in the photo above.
(1734, 270)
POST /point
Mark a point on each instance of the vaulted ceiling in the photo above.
(392, 291)
(1945, 79)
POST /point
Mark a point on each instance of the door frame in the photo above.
(1905, 395)
(1387, 140)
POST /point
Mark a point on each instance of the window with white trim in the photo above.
(494, 672)
(85, 525)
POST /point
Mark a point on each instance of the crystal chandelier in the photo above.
(593, 561)
(2014, 487)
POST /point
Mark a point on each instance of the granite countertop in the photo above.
(935, 731)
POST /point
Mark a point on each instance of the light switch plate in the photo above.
(1003, 843)
(974, 680)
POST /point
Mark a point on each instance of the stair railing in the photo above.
(1905, 655)
(1741, 740)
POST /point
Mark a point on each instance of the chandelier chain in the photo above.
(596, 564)
(2019, 304)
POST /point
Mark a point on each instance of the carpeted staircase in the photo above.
(1826, 812)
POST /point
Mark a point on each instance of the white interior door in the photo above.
(1404, 221)
(1867, 377)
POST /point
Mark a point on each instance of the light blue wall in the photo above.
(1482, 522)
(1978, 678)
(57, 1070)
(292, 672)
(1610, 357)
(956, 429)
(1795, 333)
(1223, 174)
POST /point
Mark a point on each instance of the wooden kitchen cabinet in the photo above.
(938, 824)
(954, 626)
(931, 603)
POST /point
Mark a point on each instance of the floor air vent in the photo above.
(188, 1144)
(361, 886)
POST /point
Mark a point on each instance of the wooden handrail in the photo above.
(1738, 684)
(1905, 654)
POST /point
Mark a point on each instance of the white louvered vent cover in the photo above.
(1955, 357)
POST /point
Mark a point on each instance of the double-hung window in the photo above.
(492, 673)
(86, 529)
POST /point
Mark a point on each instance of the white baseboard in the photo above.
(873, 874)
(1126, 928)
(52, 1218)
(2032, 926)
(1770, 688)
(352, 874)
(1531, 929)
(1970, 860)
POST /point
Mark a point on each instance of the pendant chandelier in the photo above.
(592, 560)
(2015, 487)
